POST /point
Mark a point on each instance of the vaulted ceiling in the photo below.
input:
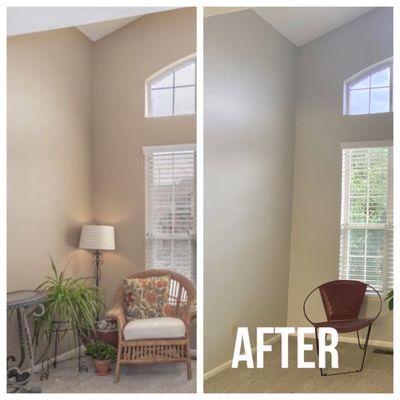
(94, 22)
(300, 25)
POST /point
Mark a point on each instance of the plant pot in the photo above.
(103, 367)
(109, 336)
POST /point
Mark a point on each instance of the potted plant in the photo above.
(103, 354)
(389, 299)
(106, 331)
(70, 302)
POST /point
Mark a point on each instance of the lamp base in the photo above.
(97, 263)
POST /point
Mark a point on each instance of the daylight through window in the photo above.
(367, 217)
(171, 209)
(173, 92)
(371, 91)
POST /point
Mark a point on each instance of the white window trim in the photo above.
(366, 144)
(169, 147)
(363, 74)
(158, 75)
(344, 230)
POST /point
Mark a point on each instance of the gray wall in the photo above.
(248, 163)
(320, 128)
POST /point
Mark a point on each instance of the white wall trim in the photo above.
(171, 147)
(353, 340)
(68, 355)
(366, 144)
(227, 364)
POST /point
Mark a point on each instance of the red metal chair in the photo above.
(342, 301)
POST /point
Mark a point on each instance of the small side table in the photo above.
(22, 301)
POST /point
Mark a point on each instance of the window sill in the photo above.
(170, 116)
(367, 115)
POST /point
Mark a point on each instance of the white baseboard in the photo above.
(353, 340)
(372, 342)
(62, 357)
(227, 364)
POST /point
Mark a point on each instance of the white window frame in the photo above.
(345, 206)
(160, 75)
(359, 76)
(147, 151)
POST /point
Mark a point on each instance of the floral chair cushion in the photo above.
(146, 297)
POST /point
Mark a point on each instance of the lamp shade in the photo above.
(97, 237)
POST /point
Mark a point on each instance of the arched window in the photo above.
(370, 91)
(173, 90)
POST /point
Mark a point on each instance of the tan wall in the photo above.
(122, 62)
(67, 165)
(320, 128)
(49, 155)
(248, 166)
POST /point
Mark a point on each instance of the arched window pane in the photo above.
(167, 81)
(359, 102)
(173, 92)
(161, 102)
(186, 75)
(380, 100)
(381, 78)
(363, 84)
(369, 92)
(185, 100)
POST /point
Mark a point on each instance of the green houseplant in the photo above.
(389, 299)
(69, 301)
(103, 354)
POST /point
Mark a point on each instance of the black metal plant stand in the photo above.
(61, 328)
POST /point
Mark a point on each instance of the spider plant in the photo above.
(70, 302)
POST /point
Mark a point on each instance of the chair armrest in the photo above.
(117, 313)
(188, 313)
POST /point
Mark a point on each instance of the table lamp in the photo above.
(97, 238)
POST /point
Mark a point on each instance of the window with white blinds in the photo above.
(366, 245)
(171, 208)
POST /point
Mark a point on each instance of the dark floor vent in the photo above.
(380, 350)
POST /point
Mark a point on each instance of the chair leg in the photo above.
(317, 348)
(364, 348)
(188, 361)
(118, 366)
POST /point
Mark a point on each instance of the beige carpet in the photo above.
(376, 377)
(152, 378)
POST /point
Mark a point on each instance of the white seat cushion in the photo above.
(154, 328)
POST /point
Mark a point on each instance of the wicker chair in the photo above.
(182, 299)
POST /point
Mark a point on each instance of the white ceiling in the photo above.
(100, 29)
(94, 22)
(301, 25)
(211, 11)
